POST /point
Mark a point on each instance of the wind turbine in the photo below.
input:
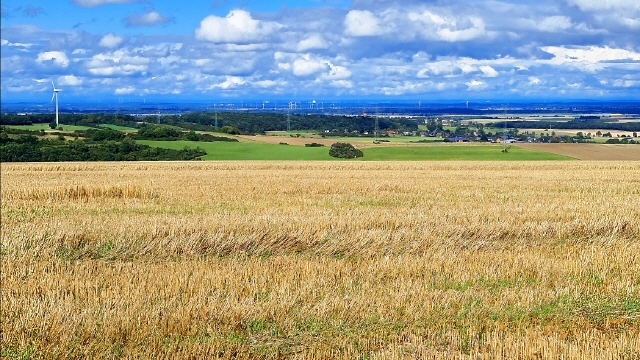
(215, 109)
(55, 95)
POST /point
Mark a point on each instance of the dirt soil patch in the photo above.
(590, 151)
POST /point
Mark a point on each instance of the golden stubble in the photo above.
(321, 259)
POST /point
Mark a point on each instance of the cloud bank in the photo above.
(371, 48)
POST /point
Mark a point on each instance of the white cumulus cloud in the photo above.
(124, 90)
(590, 54)
(5, 42)
(338, 72)
(148, 19)
(111, 41)
(488, 71)
(265, 83)
(476, 85)
(237, 27)
(466, 34)
(231, 82)
(56, 57)
(69, 80)
(362, 23)
(342, 84)
(314, 41)
(555, 24)
(436, 68)
(433, 26)
(120, 70)
(307, 65)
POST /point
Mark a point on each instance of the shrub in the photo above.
(621, 141)
(344, 151)
(313, 144)
(228, 129)
(105, 134)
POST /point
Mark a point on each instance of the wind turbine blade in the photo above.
(52, 96)
(54, 85)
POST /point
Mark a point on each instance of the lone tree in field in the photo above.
(344, 151)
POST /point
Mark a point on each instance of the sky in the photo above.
(201, 50)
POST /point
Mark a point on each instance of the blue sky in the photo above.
(326, 49)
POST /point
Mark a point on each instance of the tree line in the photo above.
(578, 124)
(229, 122)
(90, 120)
(99, 145)
(168, 133)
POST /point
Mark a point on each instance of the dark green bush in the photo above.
(344, 151)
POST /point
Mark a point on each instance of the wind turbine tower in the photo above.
(215, 109)
(376, 128)
(55, 95)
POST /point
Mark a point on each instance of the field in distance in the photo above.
(590, 151)
(267, 259)
(257, 150)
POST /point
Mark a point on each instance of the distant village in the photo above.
(458, 130)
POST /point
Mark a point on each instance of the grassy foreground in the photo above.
(445, 260)
(260, 151)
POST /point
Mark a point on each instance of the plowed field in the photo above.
(590, 151)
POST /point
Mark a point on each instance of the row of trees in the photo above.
(258, 123)
(163, 132)
(91, 120)
(578, 124)
(231, 122)
(255, 123)
(32, 148)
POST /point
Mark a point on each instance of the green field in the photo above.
(247, 150)
(458, 152)
(257, 151)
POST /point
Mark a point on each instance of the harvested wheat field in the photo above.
(590, 151)
(321, 260)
